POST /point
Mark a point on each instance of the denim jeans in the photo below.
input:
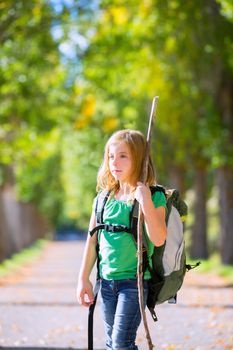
(121, 312)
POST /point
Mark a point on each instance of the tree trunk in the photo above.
(225, 181)
(176, 179)
(199, 248)
(3, 238)
(225, 172)
(20, 223)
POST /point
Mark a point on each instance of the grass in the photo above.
(21, 258)
(214, 265)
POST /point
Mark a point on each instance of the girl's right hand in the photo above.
(85, 293)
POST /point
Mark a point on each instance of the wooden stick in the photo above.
(140, 225)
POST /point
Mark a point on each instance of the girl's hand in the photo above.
(85, 293)
(142, 193)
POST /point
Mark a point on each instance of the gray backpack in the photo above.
(169, 261)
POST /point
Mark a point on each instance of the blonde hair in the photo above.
(137, 145)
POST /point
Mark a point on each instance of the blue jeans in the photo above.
(121, 312)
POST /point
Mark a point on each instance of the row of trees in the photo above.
(31, 96)
(73, 74)
(182, 52)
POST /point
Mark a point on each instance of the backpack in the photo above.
(168, 261)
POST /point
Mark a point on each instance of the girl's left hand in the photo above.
(142, 193)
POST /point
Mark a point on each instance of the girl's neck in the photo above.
(125, 192)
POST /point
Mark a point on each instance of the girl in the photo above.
(120, 173)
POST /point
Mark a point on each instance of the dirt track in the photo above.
(38, 309)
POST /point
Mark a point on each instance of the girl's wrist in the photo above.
(147, 205)
(83, 278)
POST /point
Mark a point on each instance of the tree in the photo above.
(122, 56)
(34, 103)
(205, 48)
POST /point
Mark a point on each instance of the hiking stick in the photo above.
(140, 225)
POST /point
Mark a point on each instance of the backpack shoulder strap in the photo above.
(91, 316)
(101, 200)
(134, 223)
(157, 188)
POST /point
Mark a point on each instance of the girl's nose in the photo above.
(114, 161)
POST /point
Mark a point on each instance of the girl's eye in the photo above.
(111, 156)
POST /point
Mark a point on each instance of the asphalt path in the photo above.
(38, 309)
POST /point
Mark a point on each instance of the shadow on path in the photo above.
(38, 306)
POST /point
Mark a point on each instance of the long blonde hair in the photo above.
(137, 145)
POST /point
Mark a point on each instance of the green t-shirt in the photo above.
(117, 250)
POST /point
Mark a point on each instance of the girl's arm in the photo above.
(84, 291)
(154, 217)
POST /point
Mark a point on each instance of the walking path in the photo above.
(38, 309)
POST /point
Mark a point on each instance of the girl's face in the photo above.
(120, 161)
